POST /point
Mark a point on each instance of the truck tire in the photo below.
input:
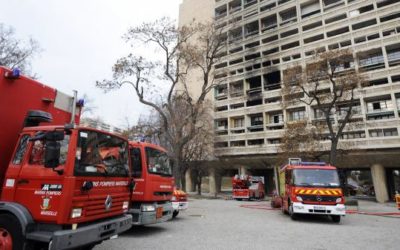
(336, 218)
(292, 215)
(175, 213)
(11, 233)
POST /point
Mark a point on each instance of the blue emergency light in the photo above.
(14, 74)
(80, 102)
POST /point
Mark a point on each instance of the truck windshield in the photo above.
(100, 154)
(316, 177)
(158, 162)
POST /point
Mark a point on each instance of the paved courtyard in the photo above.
(225, 224)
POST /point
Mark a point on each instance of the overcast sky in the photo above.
(81, 39)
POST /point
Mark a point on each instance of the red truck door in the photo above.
(38, 188)
(288, 180)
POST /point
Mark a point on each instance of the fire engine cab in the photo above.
(310, 188)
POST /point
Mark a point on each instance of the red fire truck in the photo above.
(179, 201)
(247, 187)
(58, 190)
(151, 169)
(310, 188)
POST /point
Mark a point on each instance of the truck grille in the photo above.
(94, 206)
(317, 198)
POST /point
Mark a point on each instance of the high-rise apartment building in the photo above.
(266, 37)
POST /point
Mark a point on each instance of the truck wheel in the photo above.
(175, 213)
(11, 237)
(293, 216)
(336, 218)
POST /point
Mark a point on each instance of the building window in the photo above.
(268, 23)
(379, 106)
(221, 92)
(256, 121)
(236, 89)
(383, 132)
(310, 9)
(393, 54)
(255, 142)
(238, 123)
(221, 145)
(235, 6)
(353, 135)
(371, 60)
(297, 115)
(288, 16)
(251, 29)
(238, 143)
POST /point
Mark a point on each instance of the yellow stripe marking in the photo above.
(308, 191)
(315, 191)
(328, 192)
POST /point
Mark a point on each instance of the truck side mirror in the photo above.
(52, 154)
(54, 136)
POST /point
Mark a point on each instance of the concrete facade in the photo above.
(265, 37)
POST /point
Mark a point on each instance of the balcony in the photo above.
(275, 126)
(221, 130)
(394, 57)
(237, 130)
(272, 86)
(221, 96)
(236, 93)
(380, 113)
(372, 62)
(255, 128)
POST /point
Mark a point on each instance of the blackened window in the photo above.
(136, 160)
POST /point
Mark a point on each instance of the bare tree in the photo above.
(329, 86)
(194, 47)
(15, 52)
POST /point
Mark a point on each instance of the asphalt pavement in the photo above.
(226, 224)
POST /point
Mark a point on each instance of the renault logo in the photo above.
(108, 202)
(319, 198)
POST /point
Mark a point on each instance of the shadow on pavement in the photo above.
(144, 231)
(317, 219)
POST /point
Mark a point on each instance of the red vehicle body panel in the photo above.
(148, 185)
(24, 94)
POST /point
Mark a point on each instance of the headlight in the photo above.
(338, 200)
(76, 212)
(148, 208)
(173, 198)
(299, 198)
(125, 205)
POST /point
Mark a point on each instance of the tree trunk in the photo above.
(177, 174)
(333, 153)
(199, 185)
